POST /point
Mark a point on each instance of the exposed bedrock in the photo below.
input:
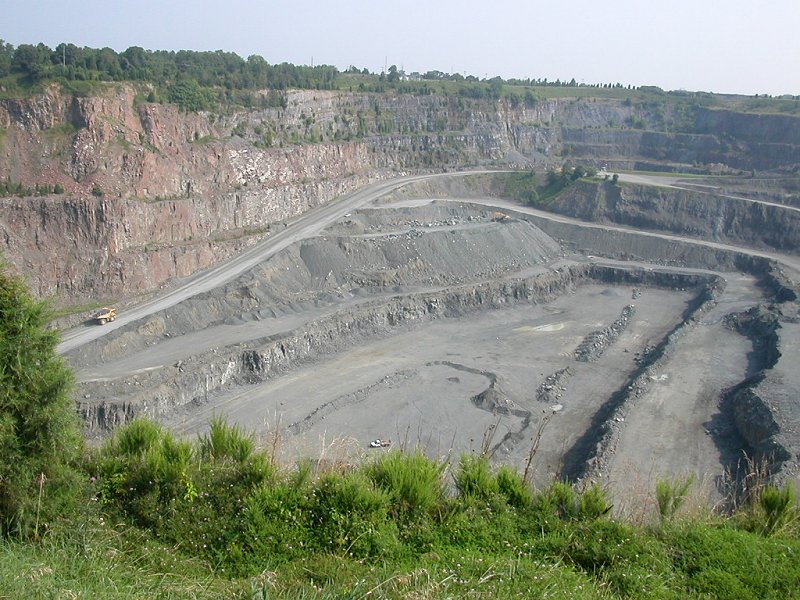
(157, 392)
(765, 407)
(205, 185)
(700, 214)
(82, 249)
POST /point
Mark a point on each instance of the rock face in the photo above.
(699, 213)
(764, 406)
(151, 194)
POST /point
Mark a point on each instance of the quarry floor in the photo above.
(504, 380)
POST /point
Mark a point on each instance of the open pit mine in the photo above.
(326, 296)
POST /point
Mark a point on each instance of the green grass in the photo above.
(216, 519)
(92, 559)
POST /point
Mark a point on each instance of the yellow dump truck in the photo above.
(104, 315)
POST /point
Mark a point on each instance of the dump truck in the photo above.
(500, 217)
(105, 314)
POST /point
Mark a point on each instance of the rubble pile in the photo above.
(594, 344)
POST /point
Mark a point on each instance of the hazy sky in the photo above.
(733, 46)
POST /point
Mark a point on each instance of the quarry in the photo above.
(433, 323)
(396, 287)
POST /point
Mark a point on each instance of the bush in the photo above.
(40, 435)
(474, 478)
(351, 515)
(670, 496)
(594, 503)
(413, 481)
(778, 505)
(512, 486)
(143, 470)
(275, 527)
(561, 500)
(225, 441)
(192, 496)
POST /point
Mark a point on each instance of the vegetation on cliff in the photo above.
(199, 80)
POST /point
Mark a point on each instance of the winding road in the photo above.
(312, 222)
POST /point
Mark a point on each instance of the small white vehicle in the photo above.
(379, 443)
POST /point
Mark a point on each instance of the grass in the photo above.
(93, 559)
(217, 519)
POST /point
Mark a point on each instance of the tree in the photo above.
(39, 429)
(188, 95)
(6, 57)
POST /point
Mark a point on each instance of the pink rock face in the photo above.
(149, 193)
(143, 203)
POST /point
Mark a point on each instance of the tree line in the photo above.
(37, 63)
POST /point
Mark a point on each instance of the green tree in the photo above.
(39, 429)
(6, 57)
(188, 95)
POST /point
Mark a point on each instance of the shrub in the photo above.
(351, 515)
(512, 486)
(275, 526)
(561, 500)
(413, 481)
(225, 441)
(39, 431)
(192, 496)
(778, 505)
(594, 503)
(143, 470)
(474, 478)
(670, 496)
(769, 510)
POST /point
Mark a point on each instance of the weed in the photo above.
(413, 481)
(670, 495)
(779, 506)
(475, 479)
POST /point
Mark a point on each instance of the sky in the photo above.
(724, 46)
